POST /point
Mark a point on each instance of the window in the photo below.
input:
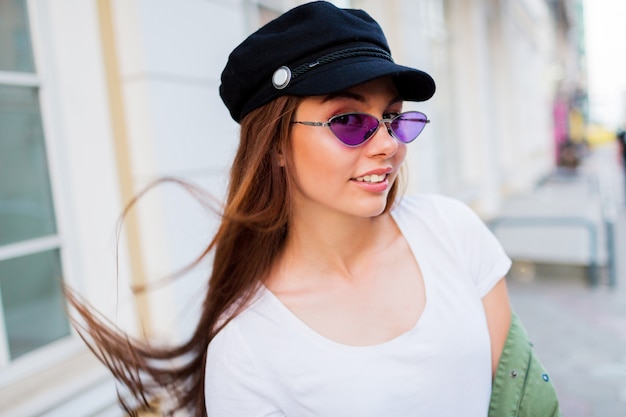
(31, 301)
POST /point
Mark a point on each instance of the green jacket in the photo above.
(521, 388)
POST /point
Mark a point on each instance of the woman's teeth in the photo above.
(372, 178)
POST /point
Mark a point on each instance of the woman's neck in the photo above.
(331, 247)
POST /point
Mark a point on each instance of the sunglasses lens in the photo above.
(407, 126)
(353, 128)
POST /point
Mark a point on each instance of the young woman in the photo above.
(330, 295)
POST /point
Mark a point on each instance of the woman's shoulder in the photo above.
(442, 216)
(239, 320)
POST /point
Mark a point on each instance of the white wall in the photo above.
(80, 146)
(171, 56)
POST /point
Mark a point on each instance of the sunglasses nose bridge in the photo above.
(387, 123)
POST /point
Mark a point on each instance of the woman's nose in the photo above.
(382, 142)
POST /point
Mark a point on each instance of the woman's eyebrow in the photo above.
(395, 100)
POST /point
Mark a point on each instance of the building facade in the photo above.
(100, 98)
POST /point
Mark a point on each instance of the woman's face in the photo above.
(332, 177)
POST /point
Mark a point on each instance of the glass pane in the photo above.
(16, 53)
(26, 209)
(33, 302)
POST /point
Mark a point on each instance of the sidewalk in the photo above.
(578, 329)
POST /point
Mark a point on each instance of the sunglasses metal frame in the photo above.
(385, 120)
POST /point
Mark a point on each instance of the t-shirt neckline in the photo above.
(301, 327)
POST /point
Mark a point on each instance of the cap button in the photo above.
(281, 77)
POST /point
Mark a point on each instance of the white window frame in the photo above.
(62, 374)
(42, 243)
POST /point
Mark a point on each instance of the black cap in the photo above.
(314, 49)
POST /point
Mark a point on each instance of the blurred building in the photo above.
(99, 98)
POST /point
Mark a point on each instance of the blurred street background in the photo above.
(578, 326)
(98, 98)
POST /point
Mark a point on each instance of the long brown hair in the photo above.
(253, 231)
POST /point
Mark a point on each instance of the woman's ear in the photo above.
(280, 155)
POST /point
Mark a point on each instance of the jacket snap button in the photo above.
(513, 374)
(545, 377)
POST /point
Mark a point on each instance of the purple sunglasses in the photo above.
(354, 129)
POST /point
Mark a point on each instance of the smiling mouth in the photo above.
(372, 178)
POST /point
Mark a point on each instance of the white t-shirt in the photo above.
(266, 362)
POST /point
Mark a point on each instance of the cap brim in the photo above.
(412, 84)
